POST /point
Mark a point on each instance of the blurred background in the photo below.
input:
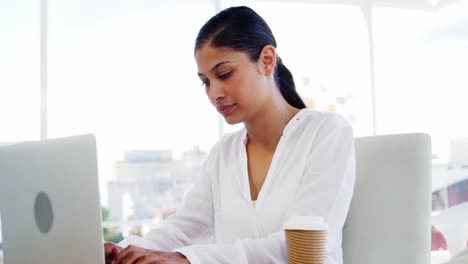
(125, 71)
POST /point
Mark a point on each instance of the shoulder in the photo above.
(323, 121)
(230, 141)
(328, 137)
(233, 137)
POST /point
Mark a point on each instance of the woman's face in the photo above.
(234, 84)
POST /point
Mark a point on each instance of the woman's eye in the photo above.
(205, 84)
(224, 75)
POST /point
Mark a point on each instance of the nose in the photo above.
(215, 92)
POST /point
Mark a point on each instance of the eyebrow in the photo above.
(215, 67)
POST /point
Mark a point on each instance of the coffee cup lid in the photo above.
(305, 222)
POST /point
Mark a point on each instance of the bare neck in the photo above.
(266, 128)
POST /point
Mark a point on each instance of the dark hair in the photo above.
(242, 29)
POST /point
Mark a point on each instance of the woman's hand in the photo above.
(110, 251)
(133, 255)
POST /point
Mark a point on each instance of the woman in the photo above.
(288, 160)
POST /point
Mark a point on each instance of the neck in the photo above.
(266, 128)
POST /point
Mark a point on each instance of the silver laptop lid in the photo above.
(49, 202)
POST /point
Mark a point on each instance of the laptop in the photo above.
(49, 202)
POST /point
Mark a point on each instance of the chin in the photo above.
(232, 120)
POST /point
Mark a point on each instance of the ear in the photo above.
(267, 60)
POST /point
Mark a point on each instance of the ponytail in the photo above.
(285, 82)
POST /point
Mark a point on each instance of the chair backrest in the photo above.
(389, 220)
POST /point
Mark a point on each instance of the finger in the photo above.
(142, 255)
(109, 248)
(147, 259)
(125, 254)
(138, 257)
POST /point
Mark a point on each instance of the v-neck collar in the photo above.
(244, 176)
(290, 126)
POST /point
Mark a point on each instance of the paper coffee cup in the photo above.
(306, 238)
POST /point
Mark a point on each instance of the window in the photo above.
(421, 57)
(126, 72)
(19, 71)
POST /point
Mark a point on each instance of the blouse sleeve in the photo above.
(192, 222)
(326, 189)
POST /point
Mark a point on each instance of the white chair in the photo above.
(389, 221)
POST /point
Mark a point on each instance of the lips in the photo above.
(226, 109)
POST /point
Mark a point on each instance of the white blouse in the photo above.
(312, 173)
